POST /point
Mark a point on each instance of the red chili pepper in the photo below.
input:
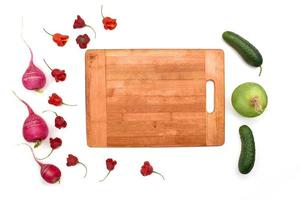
(59, 120)
(83, 40)
(108, 22)
(110, 165)
(73, 160)
(58, 38)
(147, 170)
(54, 144)
(59, 75)
(80, 23)
(56, 100)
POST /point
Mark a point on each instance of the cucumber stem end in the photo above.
(260, 70)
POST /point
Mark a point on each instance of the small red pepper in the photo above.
(58, 38)
(54, 144)
(110, 165)
(80, 23)
(56, 100)
(73, 160)
(83, 40)
(147, 170)
(59, 75)
(59, 121)
(108, 22)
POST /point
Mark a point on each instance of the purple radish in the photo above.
(50, 173)
(35, 128)
(33, 78)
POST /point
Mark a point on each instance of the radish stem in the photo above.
(28, 107)
(31, 54)
(37, 143)
(40, 91)
(40, 164)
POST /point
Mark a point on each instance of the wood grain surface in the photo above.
(153, 98)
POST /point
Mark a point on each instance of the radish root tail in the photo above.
(22, 36)
(32, 153)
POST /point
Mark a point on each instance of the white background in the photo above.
(191, 173)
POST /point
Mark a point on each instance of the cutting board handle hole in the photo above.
(210, 96)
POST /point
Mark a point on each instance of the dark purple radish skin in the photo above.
(50, 173)
(35, 128)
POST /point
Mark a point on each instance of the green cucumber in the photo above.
(248, 52)
(247, 156)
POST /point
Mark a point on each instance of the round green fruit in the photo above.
(249, 99)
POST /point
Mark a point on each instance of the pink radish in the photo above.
(50, 173)
(35, 128)
(33, 78)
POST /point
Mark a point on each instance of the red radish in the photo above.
(33, 78)
(35, 128)
(50, 173)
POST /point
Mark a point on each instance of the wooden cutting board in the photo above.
(153, 98)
